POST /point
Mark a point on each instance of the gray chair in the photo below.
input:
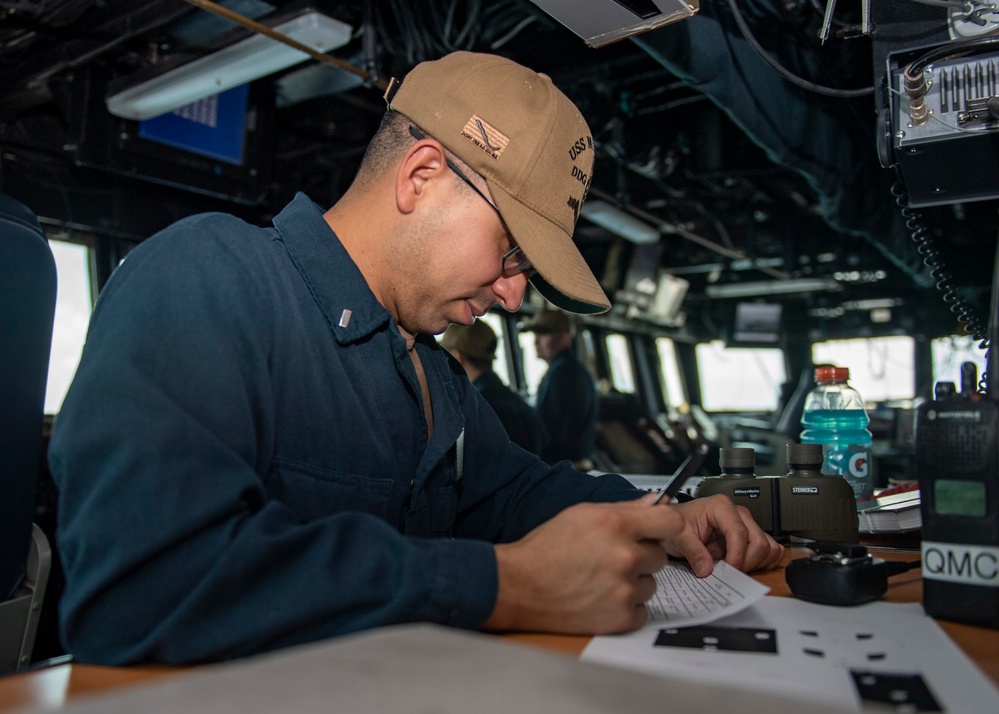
(27, 309)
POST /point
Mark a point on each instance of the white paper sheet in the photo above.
(819, 648)
(684, 599)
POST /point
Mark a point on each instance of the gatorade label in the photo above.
(852, 462)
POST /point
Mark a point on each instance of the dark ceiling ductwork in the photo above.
(829, 140)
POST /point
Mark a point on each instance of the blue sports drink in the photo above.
(835, 417)
(846, 446)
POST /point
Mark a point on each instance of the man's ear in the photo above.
(420, 171)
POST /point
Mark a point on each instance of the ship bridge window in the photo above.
(739, 379)
(949, 353)
(622, 375)
(534, 366)
(72, 315)
(501, 365)
(882, 369)
(669, 365)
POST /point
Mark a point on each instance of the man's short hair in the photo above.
(387, 147)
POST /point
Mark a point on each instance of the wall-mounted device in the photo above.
(805, 503)
(943, 123)
(221, 147)
(957, 460)
(756, 323)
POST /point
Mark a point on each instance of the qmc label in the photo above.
(958, 563)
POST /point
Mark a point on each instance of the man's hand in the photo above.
(744, 546)
(589, 570)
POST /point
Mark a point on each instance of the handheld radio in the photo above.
(957, 457)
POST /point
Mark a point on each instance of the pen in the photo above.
(680, 476)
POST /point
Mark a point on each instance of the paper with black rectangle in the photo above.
(820, 651)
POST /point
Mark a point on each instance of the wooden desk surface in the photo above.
(55, 686)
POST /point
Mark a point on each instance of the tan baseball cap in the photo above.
(514, 128)
(477, 341)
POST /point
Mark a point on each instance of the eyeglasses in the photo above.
(514, 261)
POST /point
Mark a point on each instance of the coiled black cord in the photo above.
(926, 247)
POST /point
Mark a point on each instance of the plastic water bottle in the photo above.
(835, 417)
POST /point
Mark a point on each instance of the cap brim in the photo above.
(562, 276)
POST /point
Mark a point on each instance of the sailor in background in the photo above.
(567, 396)
(475, 349)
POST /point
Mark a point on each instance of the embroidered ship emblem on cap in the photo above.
(485, 136)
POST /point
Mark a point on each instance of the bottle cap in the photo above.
(832, 374)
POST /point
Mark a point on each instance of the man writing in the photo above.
(264, 445)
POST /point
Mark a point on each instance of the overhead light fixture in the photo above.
(613, 219)
(242, 62)
(773, 287)
(601, 22)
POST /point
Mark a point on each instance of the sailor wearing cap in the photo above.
(567, 394)
(309, 461)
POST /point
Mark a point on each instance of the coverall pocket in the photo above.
(312, 492)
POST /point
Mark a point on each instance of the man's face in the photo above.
(450, 264)
(548, 346)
